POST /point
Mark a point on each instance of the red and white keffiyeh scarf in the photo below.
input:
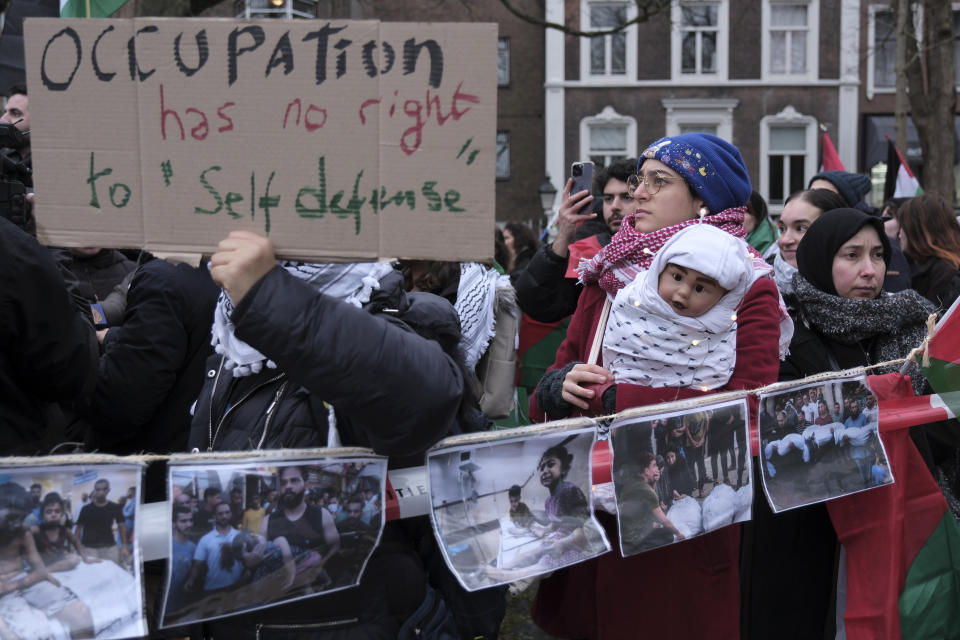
(631, 251)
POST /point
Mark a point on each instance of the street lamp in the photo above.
(275, 8)
(548, 194)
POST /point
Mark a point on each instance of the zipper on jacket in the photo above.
(305, 626)
(270, 409)
(211, 434)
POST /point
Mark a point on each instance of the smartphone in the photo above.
(582, 175)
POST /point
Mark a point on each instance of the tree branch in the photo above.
(646, 9)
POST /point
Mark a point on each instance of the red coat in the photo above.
(686, 590)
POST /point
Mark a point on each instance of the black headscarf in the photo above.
(823, 239)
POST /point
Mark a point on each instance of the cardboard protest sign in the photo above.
(509, 507)
(253, 533)
(75, 527)
(819, 442)
(681, 474)
(342, 140)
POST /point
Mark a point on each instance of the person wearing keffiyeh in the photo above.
(682, 181)
(313, 355)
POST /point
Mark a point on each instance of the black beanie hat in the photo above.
(823, 239)
(851, 186)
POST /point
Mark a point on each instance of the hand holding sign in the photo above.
(242, 258)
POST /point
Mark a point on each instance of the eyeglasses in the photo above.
(652, 182)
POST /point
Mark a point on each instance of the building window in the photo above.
(612, 55)
(608, 136)
(788, 154)
(956, 45)
(789, 43)
(503, 62)
(503, 155)
(696, 115)
(882, 51)
(699, 40)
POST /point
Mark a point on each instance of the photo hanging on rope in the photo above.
(819, 442)
(251, 534)
(681, 474)
(70, 564)
(509, 508)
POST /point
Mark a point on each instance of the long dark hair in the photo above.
(931, 229)
(524, 242)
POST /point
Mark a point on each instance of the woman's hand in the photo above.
(576, 383)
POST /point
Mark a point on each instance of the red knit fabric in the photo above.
(615, 597)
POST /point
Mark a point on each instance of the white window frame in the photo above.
(506, 53)
(719, 112)
(608, 117)
(791, 117)
(873, 10)
(507, 138)
(631, 45)
(813, 49)
(676, 42)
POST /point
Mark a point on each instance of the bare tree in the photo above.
(928, 45)
(646, 9)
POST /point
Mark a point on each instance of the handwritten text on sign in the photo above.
(338, 139)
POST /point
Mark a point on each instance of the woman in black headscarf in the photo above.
(843, 319)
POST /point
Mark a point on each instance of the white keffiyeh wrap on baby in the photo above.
(648, 343)
(476, 294)
(351, 282)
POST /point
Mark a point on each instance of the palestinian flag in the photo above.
(829, 158)
(944, 355)
(89, 8)
(900, 181)
(902, 541)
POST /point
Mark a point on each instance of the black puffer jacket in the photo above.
(544, 292)
(152, 366)
(393, 389)
(48, 350)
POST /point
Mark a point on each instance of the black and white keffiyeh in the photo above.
(351, 282)
(475, 305)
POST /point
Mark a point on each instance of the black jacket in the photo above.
(393, 390)
(544, 292)
(94, 278)
(153, 365)
(936, 280)
(48, 350)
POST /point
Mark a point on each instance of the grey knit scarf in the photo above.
(895, 321)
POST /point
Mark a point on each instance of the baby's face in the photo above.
(688, 291)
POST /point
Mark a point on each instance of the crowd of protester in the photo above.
(245, 351)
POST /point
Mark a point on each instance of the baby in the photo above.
(675, 324)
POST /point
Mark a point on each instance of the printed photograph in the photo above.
(69, 560)
(249, 536)
(681, 475)
(820, 442)
(513, 509)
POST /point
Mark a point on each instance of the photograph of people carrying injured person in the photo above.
(507, 509)
(820, 442)
(247, 536)
(680, 474)
(69, 552)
